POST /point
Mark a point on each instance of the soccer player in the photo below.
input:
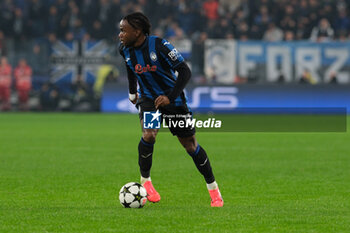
(23, 78)
(151, 62)
(5, 84)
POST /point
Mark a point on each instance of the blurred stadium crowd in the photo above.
(28, 28)
(271, 20)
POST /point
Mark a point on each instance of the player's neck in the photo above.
(140, 41)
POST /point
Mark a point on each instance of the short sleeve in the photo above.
(169, 53)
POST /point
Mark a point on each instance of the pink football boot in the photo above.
(152, 194)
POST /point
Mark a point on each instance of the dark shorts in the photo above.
(169, 113)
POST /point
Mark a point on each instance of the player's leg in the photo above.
(201, 160)
(6, 98)
(1, 94)
(145, 149)
(26, 99)
(20, 98)
(145, 161)
(199, 157)
(1, 98)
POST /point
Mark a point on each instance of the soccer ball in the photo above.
(133, 195)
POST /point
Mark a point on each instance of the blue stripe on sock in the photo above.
(195, 152)
(146, 143)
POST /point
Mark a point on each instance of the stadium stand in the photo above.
(28, 28)
(97, 19)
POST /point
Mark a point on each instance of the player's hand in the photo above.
(133, 98)
(161, 101)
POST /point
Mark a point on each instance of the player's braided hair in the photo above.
(139, 21)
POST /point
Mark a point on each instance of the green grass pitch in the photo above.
(63, 172)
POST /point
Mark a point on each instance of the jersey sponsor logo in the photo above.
(153, 56)
(166, 43)
(173, 54)
(139, 69)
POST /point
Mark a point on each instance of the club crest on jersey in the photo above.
(153, 56)
(139, 69)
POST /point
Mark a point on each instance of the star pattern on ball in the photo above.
(132, 195)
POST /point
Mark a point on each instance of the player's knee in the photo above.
(190, 147)
(149, 136)
(189, 143)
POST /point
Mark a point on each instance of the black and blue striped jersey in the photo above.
(154, 64)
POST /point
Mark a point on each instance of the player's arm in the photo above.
(184, 75)
(133, 96)
(181, 81)
(176, 62)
